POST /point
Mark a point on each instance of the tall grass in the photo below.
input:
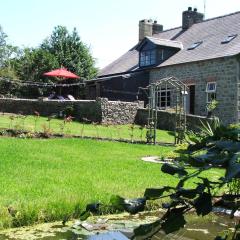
(36, 123)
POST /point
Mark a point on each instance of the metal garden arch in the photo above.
(157, 100)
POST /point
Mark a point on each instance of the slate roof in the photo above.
(211, 31)
(163, 42)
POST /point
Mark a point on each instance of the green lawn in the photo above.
(32, 123)
(46, 179)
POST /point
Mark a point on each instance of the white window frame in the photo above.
(211, 92)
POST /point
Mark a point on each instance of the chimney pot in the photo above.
(147, 28)
(190, 17)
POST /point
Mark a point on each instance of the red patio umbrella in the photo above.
(61, 72)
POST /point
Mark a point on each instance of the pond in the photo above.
(197, 228)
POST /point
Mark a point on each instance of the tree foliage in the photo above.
(61, 49)
(70, 52)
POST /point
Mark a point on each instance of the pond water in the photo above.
(197, 228)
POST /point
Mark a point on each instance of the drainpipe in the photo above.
(238, 87)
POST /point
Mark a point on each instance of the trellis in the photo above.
(156, 101)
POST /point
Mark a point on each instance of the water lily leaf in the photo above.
(170, 169)
(174, 220)
(203, 204)
(155, 193)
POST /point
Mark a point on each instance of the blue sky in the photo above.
(109, 27)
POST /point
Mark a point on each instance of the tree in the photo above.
(61, 49)
(7, 52)
(30, 66)
(33, 62)
(70, 52)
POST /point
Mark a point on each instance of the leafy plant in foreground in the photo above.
(212, 151)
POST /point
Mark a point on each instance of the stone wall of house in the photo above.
(166, 120)
(223, 71)
(118, 112)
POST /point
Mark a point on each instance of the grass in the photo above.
(31, 123)
(45, 180)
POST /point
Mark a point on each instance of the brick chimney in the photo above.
(147, 28)
(190, 17)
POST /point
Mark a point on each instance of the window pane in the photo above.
(229, 38)
(211, 87)
(195, 45)
(164, 98)
(211, 97)
(147, 58)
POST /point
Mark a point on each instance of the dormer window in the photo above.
(147, 58)
(229, 38)
(195, 45)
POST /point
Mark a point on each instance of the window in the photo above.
(211, 91)
(195, 45)
(147, 58)
(164, 100)
(229, 38)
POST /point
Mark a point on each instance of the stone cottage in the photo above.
(203, 54)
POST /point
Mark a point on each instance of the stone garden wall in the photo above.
(118, 112)
(100, 110)
(166, 120)
(79, 108)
